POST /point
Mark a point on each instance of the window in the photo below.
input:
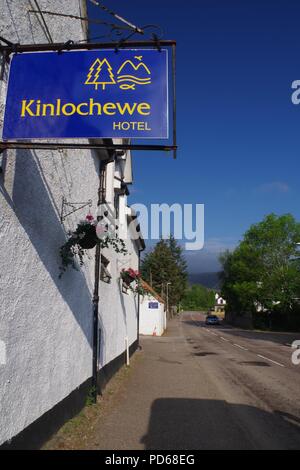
(105, 275)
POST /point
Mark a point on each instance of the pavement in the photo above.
(200, 387)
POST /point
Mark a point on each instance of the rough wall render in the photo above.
(46, 322)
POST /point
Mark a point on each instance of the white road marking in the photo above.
(271, 360)
(241, 347)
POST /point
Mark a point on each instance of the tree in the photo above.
(176, 251)
(100, 73)
(165, 264)
(263, 273)
(198, 297)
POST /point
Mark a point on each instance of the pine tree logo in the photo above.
(100, 73)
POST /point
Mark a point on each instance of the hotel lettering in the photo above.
(88, 94)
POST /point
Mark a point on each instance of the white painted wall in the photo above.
(45, 322)
(152, 321)
(219, 299)
(118, 311)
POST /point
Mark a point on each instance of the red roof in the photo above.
(150, 289)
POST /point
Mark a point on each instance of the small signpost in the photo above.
(153, 304)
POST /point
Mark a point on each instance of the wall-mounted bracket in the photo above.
(66, 205)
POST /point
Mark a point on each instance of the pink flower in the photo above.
(89, 217)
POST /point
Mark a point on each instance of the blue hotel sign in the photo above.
(88, 94)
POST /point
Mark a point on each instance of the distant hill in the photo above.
(210, 280)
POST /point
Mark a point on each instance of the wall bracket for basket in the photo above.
(75, 206)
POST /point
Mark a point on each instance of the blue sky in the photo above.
(238, 131)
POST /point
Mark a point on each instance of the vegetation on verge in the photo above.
(198, 297)
(261, 277)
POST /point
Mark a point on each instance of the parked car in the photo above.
(212, 320)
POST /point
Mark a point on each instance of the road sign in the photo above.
(88, 94)
(153, 304)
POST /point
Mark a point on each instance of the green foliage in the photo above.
(132, 280)
(264, 269)
(165, 263)
(90, 398)
(77, 242)
(198, 297)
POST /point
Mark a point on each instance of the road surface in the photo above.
(204, 387)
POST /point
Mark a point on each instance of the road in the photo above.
(204, 387)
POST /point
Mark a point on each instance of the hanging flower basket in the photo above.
(129, 275)
(132, 280)
(127, 279)
(85, 238)
(88, 239)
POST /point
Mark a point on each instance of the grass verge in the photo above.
(78, 432)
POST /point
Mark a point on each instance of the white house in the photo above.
(46, 323)
(153, 319)
(220, 304)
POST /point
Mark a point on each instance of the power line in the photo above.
(118, 17)
(44, 22)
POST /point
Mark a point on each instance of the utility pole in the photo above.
(162, 292)
(168, 284)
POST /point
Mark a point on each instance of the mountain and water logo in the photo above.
(129, 75)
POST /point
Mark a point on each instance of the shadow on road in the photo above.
(190, 424)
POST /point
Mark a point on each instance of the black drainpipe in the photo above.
(101, 200)
(96, 322)
(139, 269)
